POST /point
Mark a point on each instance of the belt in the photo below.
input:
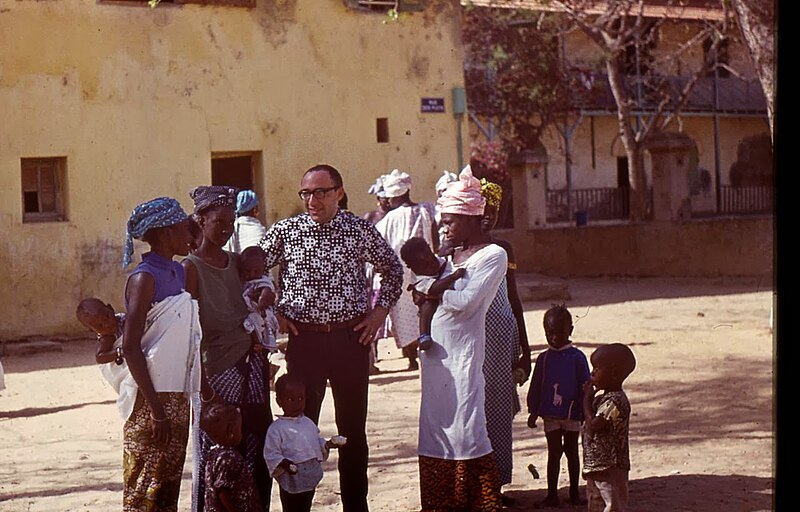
(302, 326)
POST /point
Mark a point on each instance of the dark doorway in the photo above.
(624, 184)
(235, 171)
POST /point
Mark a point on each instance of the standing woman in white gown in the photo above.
(457, 466)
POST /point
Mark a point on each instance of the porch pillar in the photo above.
(529, 184)
(672, 163)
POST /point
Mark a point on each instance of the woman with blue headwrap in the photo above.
(247, 229)
(235, 370)
(156, 426)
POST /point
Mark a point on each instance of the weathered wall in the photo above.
(714, 247)
(137, 99)
(607, 147)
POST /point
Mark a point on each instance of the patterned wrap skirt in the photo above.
(152, 474)
(246, 386)
(459, 485)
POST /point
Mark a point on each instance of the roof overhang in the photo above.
(681, 10)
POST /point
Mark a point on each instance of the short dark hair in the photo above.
(286, 381)
(331, 170)
(214, 413)
(623, 357)
(253, 251)
(558, 313)
(412, 247)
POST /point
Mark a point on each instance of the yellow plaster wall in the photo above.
(137, 99)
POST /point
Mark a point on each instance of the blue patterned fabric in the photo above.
(156, 213)
(246, 200)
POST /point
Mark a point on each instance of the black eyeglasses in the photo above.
(318, 193)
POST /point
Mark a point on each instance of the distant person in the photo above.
(247, 229)
(606, 454)
(258, 291)
(442, 248)
(556, 396)
(376, 189)
(294, 449)
(405, 220)
(229, 482)
(428, 284)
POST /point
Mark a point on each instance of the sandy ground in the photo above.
(702, 436)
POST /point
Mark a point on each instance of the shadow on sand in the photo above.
(678, 493)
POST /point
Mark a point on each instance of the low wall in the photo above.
(708, 247)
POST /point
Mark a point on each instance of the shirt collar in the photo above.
(157, 260)
(565, 347)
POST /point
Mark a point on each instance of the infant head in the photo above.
(419, 257)
(251, 264)
(97, 316)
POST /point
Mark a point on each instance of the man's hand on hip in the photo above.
(285, 325)
(370, 325)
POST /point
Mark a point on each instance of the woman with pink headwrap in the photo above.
(457, 465)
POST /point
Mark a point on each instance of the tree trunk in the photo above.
(757, 23)
(633, 148)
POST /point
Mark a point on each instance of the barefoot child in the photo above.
(606, 456)
(230, 486)
(103, 321)
(258, 291)
(293, 448)
(429, 286)
(556, 395)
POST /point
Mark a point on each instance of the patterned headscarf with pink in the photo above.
(463, 197)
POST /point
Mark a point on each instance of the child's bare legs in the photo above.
(426, 311)
(562, 442)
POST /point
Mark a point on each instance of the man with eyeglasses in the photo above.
(324, 307)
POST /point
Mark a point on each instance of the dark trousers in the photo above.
(300, 502)
(337, 357)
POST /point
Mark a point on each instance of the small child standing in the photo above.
(429, 285)
(101, 318)
(294, 449)
(230, 486)
(556, 395)
(262, 319)
(606, 454)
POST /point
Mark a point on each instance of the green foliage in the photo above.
(515, 77)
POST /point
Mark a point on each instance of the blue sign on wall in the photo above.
(432, 105)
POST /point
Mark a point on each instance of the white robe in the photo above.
(397, 227)
(247, 231)
(171, 347)
(452, 420)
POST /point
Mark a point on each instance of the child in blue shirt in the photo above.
(556, 395)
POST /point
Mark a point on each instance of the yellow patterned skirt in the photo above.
(459, 485)
(152, 475)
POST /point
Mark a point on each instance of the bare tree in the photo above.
(756, 20)
(650, 101)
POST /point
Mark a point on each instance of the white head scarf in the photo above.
(396, 183)
(447, 177)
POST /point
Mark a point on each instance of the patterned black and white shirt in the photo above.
(322, 267)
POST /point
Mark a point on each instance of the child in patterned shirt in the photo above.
(230, 486)
(606, 457)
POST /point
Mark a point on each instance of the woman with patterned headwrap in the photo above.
(508, 356)
(457, 466)
(156, 431)
(234, 370)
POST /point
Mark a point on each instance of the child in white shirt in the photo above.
(294, 449)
